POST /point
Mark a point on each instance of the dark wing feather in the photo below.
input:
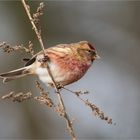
(31, 61)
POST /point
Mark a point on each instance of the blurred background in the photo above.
(113, 81)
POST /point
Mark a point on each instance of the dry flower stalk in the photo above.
(9, 48)
(17, 97)
(30, 46)
(38, 33)
(95, 110)
(44, 99)
(44, 96)
(39, 12)
(27, 9)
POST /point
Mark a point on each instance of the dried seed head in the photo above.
(17, 97)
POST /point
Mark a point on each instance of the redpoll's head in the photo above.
(86, 50)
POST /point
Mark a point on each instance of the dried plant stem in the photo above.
(65, 115)
(17, 97)
(33, 24)
(95, 110)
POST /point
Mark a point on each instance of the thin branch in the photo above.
(27, 9)
(69, 124)
(10, 48)
(44, 96)
(65, 115)
(95, 110)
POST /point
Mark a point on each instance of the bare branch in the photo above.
(69, 124)
(27, 9)
(65, 115)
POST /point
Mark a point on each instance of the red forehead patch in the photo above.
(91, 46)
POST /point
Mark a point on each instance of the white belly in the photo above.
(44, 76)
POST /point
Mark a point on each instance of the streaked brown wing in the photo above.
(56, 49)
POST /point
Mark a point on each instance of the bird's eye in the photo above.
(89, 51)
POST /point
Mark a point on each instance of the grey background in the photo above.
(114, 80)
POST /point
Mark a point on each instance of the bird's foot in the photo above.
(59, 86)
(44, 59)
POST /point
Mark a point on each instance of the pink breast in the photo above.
(71, 68)
(75, 68)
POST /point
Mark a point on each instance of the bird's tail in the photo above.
(11, 75)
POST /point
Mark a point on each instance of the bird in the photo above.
(67, 62)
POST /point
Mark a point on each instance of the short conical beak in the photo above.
(97, 56)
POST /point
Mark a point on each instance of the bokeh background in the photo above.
(114, 80)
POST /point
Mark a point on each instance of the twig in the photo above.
(45, 99)
(95, 110)
(9, 48)
(39, 12)
(65, 115)
(30, 46)
(17, 97)
(69, 124)
(27, 9)
(44, 96)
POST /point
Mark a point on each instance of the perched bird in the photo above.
(67, 63)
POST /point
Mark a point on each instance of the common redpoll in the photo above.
(67, 63)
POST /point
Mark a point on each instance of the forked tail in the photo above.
(11, 75)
